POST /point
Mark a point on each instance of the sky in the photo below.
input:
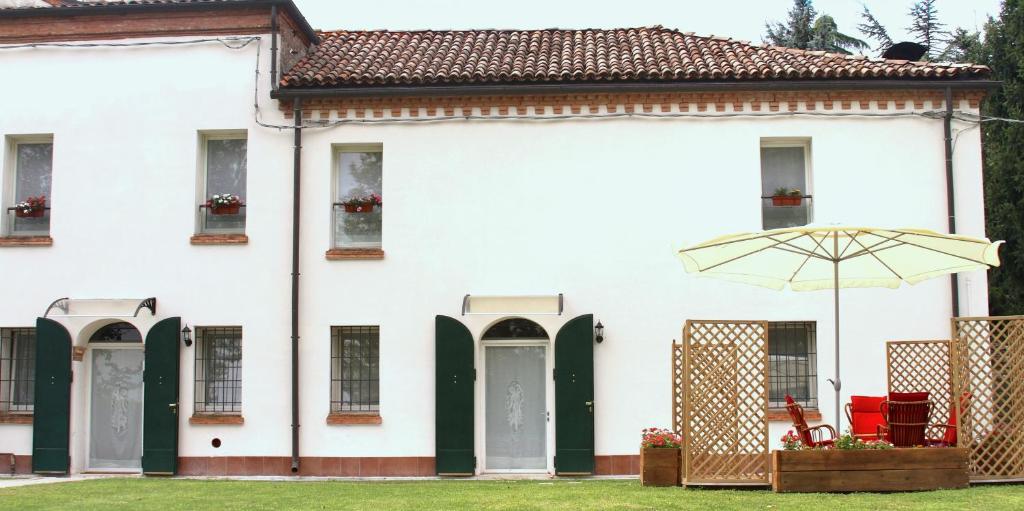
(739, 19)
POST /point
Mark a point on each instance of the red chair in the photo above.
(810, 437)
(906, 417)
(865, 416)
(947, 436)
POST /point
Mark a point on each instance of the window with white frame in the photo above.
(218, 385)
(792, 363)
(358, 203)
(223, 161)
(355, 369)
(31, 163)
(17, 370)
(785, 183)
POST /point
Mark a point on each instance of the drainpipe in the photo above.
(297, 174)
(947, 122)
(273, 47)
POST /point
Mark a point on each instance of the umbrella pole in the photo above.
(837, 384)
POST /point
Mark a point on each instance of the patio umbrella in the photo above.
(811, 258)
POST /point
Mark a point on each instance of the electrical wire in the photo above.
(241, 42)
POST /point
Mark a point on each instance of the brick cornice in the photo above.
(15, 418)
(219, 239)
(704, 103)
(111, 22)
(335, 419)
(350, 254)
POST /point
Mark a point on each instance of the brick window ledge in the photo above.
(15, 418)
(781, 415)
(216, 419)
(340, 418)
(26, 241)
(349, 254)
(219, 239)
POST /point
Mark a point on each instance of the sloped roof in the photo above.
(646, 54)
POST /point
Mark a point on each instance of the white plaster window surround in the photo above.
(17, 372)
(223, 161)
(357, 172)
(786, 163)
(28, 173)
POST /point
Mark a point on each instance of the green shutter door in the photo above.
(51, 422)
(160, 405)
(574, 397)
(454, 397)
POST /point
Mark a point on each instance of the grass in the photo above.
(158, 494)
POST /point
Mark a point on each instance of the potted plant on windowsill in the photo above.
(224, 204)
(363, 204)
(32, 207)
(787, 197)
(660, 457)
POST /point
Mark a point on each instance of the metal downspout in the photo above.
(297, 174)
(947, 122)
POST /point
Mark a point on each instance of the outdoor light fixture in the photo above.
(186, 336)
(599, 331)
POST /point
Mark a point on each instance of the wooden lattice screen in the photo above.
(989, 371)
(677, 388)
(725, 402)
(922, 366)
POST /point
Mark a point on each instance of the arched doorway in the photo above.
(516, 395)
(115, 397)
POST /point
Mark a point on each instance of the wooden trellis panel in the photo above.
(677, 388)
(725, 402)
(922, 366)
(989, 367)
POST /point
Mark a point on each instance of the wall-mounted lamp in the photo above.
(599, 331)
(186, 336)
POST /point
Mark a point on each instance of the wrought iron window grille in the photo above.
(218, 377)
(793, 365)
(17, 370)
(355, 369)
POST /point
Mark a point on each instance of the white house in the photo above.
(533, 183)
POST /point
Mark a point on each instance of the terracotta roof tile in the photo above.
(452, 57)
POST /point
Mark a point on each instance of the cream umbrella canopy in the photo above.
(811, 258)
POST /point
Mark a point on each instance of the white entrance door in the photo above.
(115, 424)
(516, 408)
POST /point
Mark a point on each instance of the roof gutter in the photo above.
(85, 10)
(608, 88)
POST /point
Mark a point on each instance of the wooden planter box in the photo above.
(836, 470)
(660, 467)
(232, 209)
(359, 208)
(786, 200)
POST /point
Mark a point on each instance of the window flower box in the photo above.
(784, 197)
(224, 204)
(660, 458)
(841, 470)
(32, 207)
(362, 204)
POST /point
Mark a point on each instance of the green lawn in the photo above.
(157, 494)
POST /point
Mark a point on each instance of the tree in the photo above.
(925, 25)
(871, 28)
(803, 29)
(1004, 166)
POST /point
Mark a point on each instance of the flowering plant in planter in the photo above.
(847, 441)
(224, 204)
(658, 438)
(791, 442)
(787, 197)
(660, 457)
(32, 207)
(362, 204)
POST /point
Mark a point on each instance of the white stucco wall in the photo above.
(589, 208)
